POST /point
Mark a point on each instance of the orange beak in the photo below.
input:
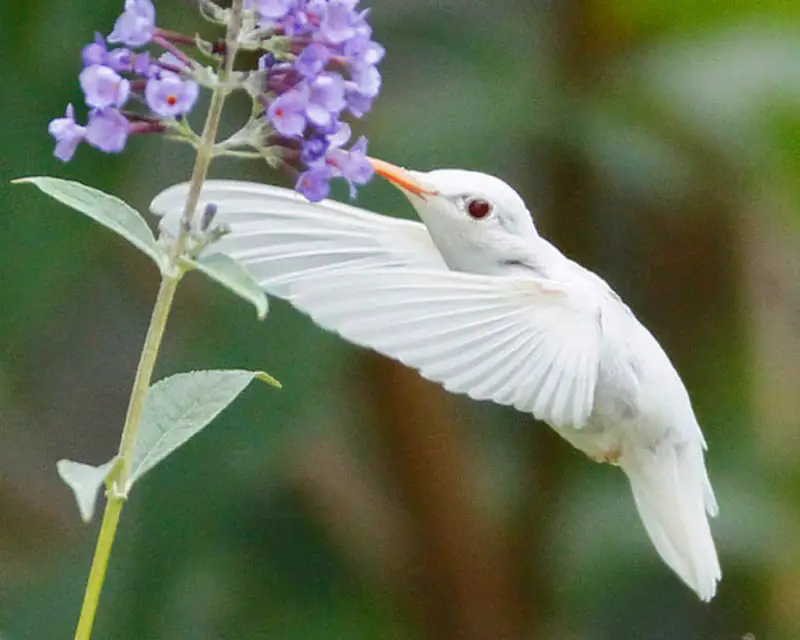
(400, 178)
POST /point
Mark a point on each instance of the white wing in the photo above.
(380, 283)
(524, 342)
(282, 237)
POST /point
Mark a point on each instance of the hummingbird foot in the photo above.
(611, 456)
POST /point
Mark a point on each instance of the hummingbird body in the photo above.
(476, 300)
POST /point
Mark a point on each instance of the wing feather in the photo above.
(534, 344)
(514, 377)
(504, 367)
(469, 370)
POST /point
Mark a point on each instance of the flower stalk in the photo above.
(205, 149)
(118, 481)
(117, 491)
(141, 383)
(317, 66)
(97, 573)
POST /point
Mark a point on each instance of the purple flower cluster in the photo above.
(161, 84)
(319, 65)
(334, 71)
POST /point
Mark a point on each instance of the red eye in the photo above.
(478, 208)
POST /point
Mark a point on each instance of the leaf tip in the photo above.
(85, 481)
(265, 377)
(262, 308)
(234, 276)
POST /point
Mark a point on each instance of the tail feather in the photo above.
(674, 498)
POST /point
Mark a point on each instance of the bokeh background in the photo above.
(658, 143)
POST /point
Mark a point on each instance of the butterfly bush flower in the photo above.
(334, 73)
(104, 87)
(137, 24)
(108, 130)
(168, 95)
(317, 67)
(68, 134)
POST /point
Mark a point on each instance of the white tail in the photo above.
(674, 498)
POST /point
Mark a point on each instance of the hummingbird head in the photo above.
(478, 222)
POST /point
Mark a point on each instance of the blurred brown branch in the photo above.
(464, 583)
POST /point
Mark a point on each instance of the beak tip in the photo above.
(400, 177)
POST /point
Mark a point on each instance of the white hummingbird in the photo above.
(476, 300)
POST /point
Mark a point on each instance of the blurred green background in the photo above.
(658, 143)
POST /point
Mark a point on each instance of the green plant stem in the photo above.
(117, 492)
(120, 476)
(205, 150)
(97, 575)
(141, 383)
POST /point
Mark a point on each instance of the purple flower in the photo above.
(361, 24)
(267, 61)
(107, 130)
(287, 112)
(314, 150)
(120, 59)
(137, 24)
(169, 96)
(367, 79)
(327, 159)
(104, 87)
(314, 184)
(96, 52)
(312, 60)
(141, 63)
(326, 99)
(68, 134)
(362, 50)
(296, 23)
(339, 136)
(338, 21)
(356, 168)
(357, 103)
(352, 164)
(271, 9)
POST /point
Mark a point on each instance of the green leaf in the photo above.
(85, 481)
(106, 209)
(234, 276)
(178, 407)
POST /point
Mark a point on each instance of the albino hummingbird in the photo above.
(476, 300)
